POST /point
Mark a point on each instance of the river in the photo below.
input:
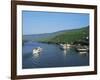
(51, 56)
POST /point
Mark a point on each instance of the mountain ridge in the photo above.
(35, 37)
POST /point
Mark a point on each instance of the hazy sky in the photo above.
(46, 22)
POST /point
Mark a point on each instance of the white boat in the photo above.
(82, 49)
(37, 50)
(65, 46)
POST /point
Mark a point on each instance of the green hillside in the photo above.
(68, 36)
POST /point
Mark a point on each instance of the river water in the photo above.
(51, 56)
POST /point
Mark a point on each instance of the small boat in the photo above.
(65, 46)
(82, 49)
(37, 50)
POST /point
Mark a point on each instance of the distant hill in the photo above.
(63, 36)
(36, 37)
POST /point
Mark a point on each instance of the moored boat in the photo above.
(65, 46)
(82, 49)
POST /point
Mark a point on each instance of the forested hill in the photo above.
(71, 36)
(63, 36)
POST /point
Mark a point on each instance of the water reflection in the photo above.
(36, 55)
(83, 54)
(66, 51)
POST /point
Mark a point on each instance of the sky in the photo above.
(38, 22)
